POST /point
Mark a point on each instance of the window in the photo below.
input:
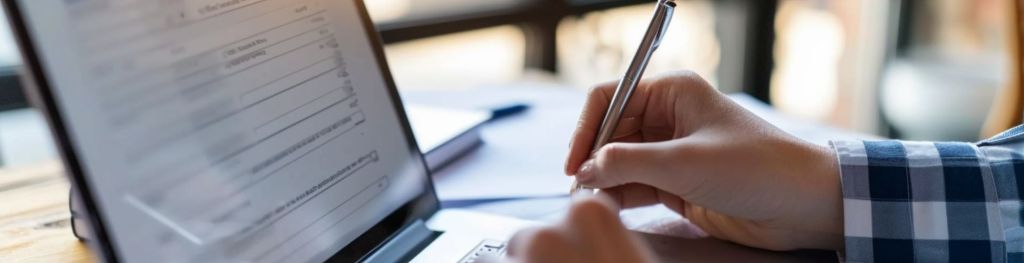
(911, 69)
(460, 60)
(513, 38)
(576, 42)
(597, 46)
(951, 59)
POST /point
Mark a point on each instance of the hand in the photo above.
(591, 232)
(685, 145)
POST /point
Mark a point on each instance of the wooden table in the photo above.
(35, 224)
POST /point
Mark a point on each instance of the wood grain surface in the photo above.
(35, 223)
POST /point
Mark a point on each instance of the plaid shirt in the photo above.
(933, 201)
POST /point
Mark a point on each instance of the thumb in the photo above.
(617, 164)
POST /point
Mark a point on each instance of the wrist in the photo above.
(830, 193)
(822, 215)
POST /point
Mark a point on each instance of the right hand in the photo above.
(684, 144)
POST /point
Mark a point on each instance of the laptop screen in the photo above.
(225, 130)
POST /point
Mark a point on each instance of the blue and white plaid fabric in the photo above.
(933, 202)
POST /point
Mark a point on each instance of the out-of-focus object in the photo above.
(949, 61)
(598, 46)
(444, 135)
(938, 99)
(829, 57)
(806, 79)
(11, 95)
(459, 61)
(24, 138)
(1008, 108)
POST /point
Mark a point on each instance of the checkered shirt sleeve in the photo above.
(933, 201)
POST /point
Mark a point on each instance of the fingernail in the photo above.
(586, 171)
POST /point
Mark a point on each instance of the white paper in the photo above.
(811, 131)
(522, 155)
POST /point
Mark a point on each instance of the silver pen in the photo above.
(652, 39)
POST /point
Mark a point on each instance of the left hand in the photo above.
(592, 232)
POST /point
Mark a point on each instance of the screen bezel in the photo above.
(38, 88)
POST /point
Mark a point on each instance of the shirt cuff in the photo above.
(918, 201)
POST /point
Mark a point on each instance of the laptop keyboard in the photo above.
(486, 248)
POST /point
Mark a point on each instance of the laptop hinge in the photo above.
(406, 244)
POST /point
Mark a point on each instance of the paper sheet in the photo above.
(808, 130)
(522, 155)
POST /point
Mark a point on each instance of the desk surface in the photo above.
(34, 218)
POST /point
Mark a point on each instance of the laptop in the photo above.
(238, 131)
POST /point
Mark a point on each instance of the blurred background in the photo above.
(908, 69)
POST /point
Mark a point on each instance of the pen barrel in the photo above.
(624, 90)
(617, 106)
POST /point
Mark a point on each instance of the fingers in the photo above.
(596, 225)
(623, 163)
(581, 144)
(632, 195)
(599, 205)
(586, 128)
(542, 244)
(573, 241)
(596, 218)
(653, 107)
(591, 232)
